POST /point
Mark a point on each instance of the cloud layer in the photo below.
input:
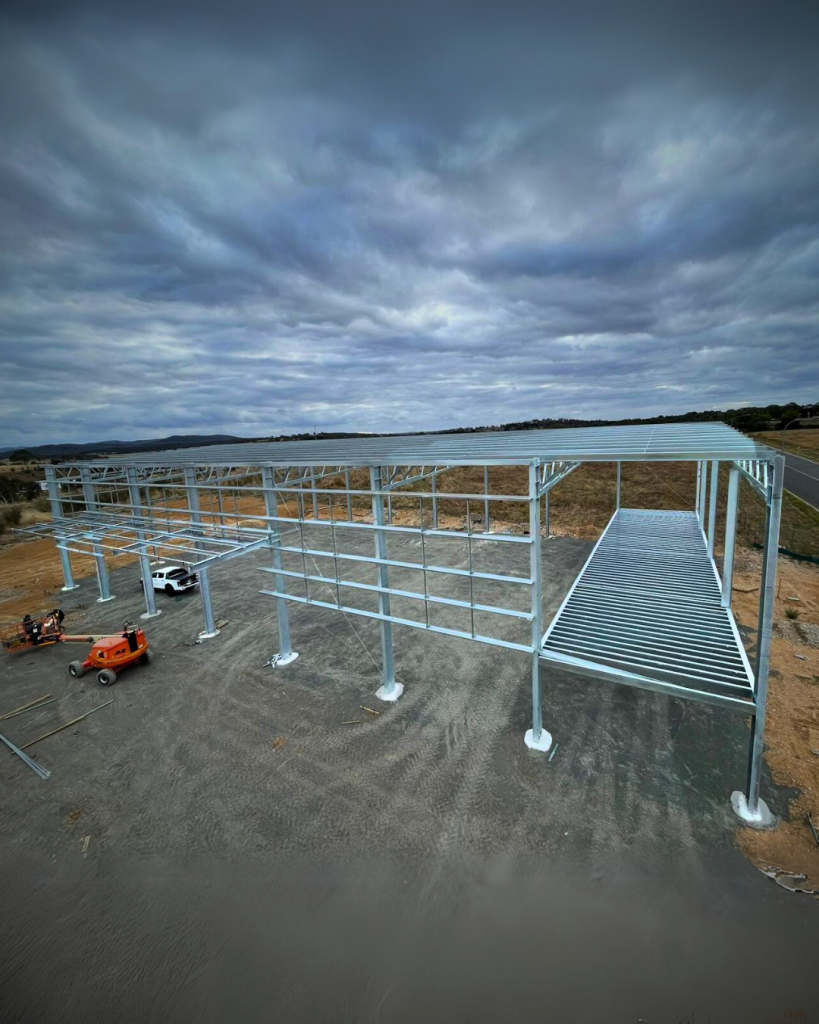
(257, 221)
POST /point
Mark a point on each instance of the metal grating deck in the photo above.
(646, 610)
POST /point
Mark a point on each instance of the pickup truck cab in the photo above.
(173, 579)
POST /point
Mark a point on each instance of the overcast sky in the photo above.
(258, 221)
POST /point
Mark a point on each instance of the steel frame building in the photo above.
(650, 609)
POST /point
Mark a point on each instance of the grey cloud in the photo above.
(257, 220)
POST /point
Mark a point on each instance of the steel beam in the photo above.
(210, 629)
(712, 507)
(144, 558)
(766, 610)
(598, 670)
(57, 513)
(730, 536)
(703, 493)
(390, 689)
(559, 474)
(536, 738)
(413, 623)
(286, 653)
(99, 553)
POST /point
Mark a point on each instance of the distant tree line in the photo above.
(748, 419)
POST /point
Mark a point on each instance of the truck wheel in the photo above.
(146, 658)
(106, 677)
(76, 669)
(169, 590)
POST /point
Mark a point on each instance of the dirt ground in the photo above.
(229, 841)
(792, 727)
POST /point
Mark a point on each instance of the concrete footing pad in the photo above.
(102, 600)
(75, 587)
(543, 744)
(392, 694)
(207, 636)
(151, 615)
(763, 818)
(280, 660)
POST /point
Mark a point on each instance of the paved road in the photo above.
(802, 479)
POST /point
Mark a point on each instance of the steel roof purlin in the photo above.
(640, 443)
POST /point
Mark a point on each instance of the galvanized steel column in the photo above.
(144, 559)
(286, 652)
(712, 507)
(486, 500)
(389, 689)
(618, 486)
(99, 551)
(537, 738)
(204, 581)
(767, 596)
(703, 484)
(57, 513)
(730, 536)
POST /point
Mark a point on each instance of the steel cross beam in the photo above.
(395, 484)
(754, 474)
(552, 473)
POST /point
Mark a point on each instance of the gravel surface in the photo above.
(253, 858)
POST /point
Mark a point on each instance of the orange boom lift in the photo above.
(110, 654)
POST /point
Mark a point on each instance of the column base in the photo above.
(391, 694)
(763, 818)
(543, 744)
(280, 660)
(204, 635)
(102, 600)
(74, 586)
(151, 615)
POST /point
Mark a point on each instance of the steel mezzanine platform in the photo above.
(647, 611)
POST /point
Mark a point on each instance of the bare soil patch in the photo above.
(792, 727)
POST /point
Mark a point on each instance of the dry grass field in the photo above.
(797, 442)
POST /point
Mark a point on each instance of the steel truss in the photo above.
(373, 527)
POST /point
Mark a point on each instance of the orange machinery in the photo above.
(33, 632)
(110, 654)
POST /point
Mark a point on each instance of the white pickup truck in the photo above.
(173, 579)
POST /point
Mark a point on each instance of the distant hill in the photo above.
(154, 444)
